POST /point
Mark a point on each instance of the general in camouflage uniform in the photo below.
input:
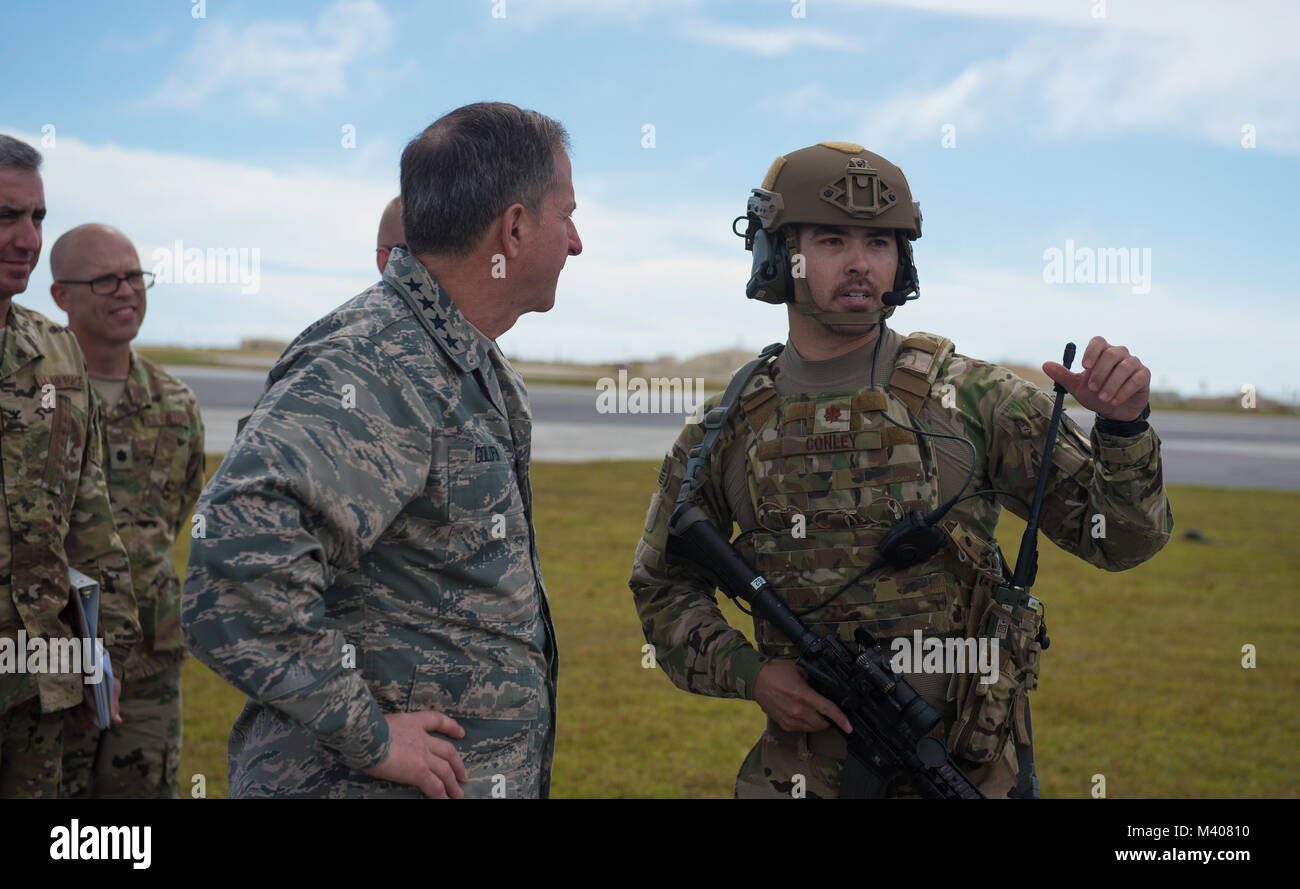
(827, 447)
(56, 507)
(368, 548)
(155, 475)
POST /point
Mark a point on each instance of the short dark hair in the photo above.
(16, 154)
(468, 166)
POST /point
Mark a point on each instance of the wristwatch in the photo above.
(1124, 427)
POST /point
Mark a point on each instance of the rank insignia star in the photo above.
(413, 284)
(439, 324)
(427, 303)
(451, 343)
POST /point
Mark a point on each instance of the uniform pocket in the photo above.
(66, 439)
(146, 460)
(490, 564)
(481, 480)
(498, 707)
(981, 732)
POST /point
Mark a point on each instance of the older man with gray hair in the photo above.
(369, 574)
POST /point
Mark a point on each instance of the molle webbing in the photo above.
(758, 403)
(921, 356)
(865, 440)
(715, 419)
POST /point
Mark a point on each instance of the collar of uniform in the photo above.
(137, 395)
(851, 370)
(435, 309)
(20, 345)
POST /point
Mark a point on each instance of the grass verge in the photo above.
(1143, 683)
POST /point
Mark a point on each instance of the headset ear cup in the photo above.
(770, 279)
(787, 276)
(906, 280)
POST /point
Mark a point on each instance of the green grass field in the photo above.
(1143, 683)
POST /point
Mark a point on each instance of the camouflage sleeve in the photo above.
(94, 547)
(1105, 501)
(335, 450)
(194, 471)
(677, 605)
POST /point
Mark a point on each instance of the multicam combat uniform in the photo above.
(56, 514)
(155, 474)
(369, 549)
(810, 440)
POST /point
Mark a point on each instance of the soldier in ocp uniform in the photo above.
(369, 574)
(390, 233)
(56, 508)
(835, 439)
(155, 473)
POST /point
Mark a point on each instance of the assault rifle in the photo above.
(891, 722)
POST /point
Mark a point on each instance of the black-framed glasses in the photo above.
(108, 284)
(389, 247)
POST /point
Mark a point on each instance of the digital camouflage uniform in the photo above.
(378, 498)
(831, 457)
(56, 514)
(155, 474)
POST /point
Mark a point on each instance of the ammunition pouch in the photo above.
(988, 713)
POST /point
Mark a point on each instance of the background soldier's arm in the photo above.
(1105, 501)
(194, 471)
(308, 488)
(94, 547)
(679, 611)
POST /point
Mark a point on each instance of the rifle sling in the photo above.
(715, 419)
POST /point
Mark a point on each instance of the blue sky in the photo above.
(1109, 124)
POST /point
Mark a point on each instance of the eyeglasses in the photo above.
(105, 285)
(389, 247)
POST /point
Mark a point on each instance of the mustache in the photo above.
(856, 287)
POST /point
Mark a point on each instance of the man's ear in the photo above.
(59, 293)
(513, 227)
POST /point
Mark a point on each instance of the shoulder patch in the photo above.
(920, 358)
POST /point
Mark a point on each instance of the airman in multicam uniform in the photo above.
(390, 233)
(368, 573)
(56, 506)
(155, 473)
(835, 438)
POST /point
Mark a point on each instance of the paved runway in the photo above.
(1237, 451)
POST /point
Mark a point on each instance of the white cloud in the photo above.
(1193, 68)
(765, 41)
(532, 12)
(315, 233)
(1000, 317)
(654, 278)
(270, 64)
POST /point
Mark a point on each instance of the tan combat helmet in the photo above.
(830, 183)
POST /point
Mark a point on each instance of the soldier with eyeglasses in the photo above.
(155, 474)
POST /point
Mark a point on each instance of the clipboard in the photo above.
(84, 612)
